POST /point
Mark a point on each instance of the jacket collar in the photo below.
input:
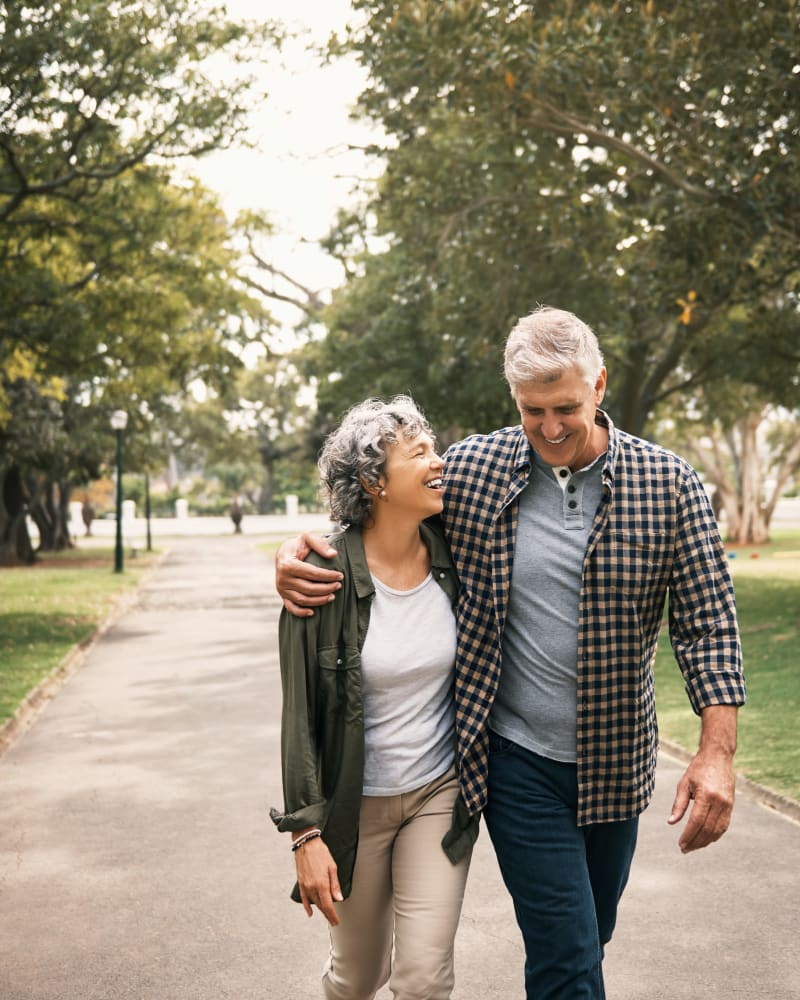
(354, 547)
(610, 464)
(353, 541)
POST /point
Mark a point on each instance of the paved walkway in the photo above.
(137, 859)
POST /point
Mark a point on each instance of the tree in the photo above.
(31, 434)
(92, 90)
(113, 277)
(635, 162)
(750, 462)
(273, 417)
(165, 313)
(747, 449)
(261, 276)
(88, 93)
(255, 435)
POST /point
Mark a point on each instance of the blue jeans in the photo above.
(565, 880)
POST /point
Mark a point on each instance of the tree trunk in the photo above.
(64, 539)
(269, 456)
(790, 462)
(15, 542)
(730, 505)
(740, 492)
(266, 498)
(713, 461)
(50, 511)
(753, 527)
(625, 404)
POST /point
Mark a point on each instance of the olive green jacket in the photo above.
(322, 730)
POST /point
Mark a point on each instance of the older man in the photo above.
(568, 534)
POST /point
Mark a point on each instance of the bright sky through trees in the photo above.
(300, 170)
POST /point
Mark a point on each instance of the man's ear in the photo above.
(600, 386)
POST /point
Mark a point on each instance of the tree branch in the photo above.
(787, 468)
(566, 124)
(309, 307)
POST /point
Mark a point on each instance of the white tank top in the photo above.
(407, 666)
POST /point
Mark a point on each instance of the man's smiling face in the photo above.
(558, 418)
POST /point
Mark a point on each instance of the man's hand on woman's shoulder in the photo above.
(301, 585)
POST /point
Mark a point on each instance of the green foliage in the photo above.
(232, 476)
(254, 436)
(115, 278)
(633, 162)
(298, 477)
(94, 88)
(159, 316)
(162, 504)
(98, 98)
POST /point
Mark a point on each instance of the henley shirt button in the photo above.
(563, 473)
(572, 504)
(570, 488)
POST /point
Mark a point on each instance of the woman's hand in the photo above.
(318, 879)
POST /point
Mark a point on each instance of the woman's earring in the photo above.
(382, 494)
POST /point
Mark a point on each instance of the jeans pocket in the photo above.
(499, 746)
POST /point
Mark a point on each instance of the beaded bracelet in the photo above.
(304, 838)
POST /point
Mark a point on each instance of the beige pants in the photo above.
(403, 887)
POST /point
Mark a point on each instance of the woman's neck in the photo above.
(395, 553)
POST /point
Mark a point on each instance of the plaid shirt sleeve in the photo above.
(653, 536)
(703, 627)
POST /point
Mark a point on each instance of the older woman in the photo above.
(380, 837)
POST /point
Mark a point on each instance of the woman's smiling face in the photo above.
(413, 476)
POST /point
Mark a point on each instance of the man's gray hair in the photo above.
(547, 344)
(353, 457)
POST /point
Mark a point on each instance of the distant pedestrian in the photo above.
(236, 516)
(380, 835)
(87, 515)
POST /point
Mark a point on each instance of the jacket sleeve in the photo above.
(702, 612)
(304, 803)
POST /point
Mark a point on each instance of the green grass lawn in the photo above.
(767, 582)
(48, 607)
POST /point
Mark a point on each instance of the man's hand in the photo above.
(709, 782)
(317, 877)
(302, 586)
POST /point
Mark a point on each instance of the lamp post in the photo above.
(147, 509)
(119, 421)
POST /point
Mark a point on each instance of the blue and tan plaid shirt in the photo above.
(653, 534)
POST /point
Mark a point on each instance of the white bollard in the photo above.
(131, 534)
(76, 527)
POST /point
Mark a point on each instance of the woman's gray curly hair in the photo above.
(353, 457)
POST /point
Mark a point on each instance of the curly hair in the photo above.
(353, 456)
